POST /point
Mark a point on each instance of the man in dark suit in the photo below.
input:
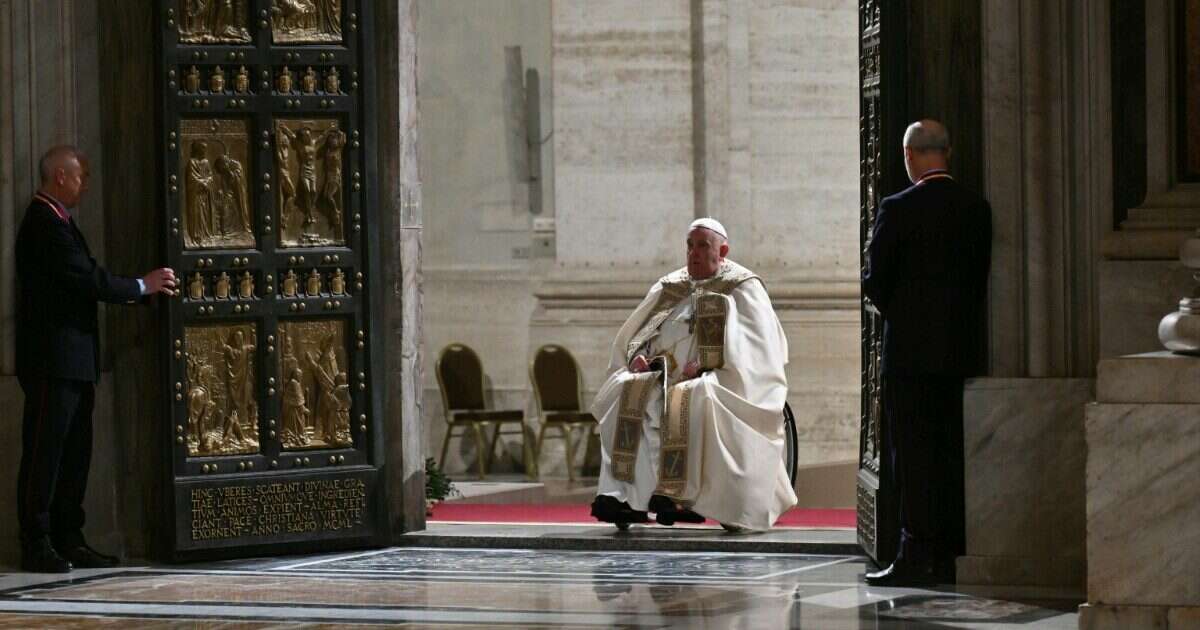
(926, 273)
(58, 363)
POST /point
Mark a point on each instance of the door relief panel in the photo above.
(222, 401)
(317, 401)
(217, 208)
(214, 22)
(308, 162)
(306, 21)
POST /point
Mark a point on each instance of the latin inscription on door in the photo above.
(277, 508)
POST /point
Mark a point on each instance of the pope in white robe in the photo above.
(691, 416)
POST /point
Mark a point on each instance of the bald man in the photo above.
(58, 363)
(926, 273)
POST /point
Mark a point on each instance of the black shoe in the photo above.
(658, 503)
(84, 557)
(666, 512)
(610, 510)
(40, 557)
(901, 574)
(678, 516)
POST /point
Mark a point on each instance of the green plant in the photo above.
(437, 485)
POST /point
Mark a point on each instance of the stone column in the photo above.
(399, 200)
(1046, 120)
(1047, 171)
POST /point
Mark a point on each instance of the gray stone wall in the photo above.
(477, 175)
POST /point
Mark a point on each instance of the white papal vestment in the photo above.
(712, 443)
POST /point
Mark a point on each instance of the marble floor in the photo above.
(414, 587)
(522, 490)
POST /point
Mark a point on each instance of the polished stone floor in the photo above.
(496, 588)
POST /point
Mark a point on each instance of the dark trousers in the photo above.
(925, 435)
(56, 452)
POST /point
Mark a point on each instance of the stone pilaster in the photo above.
(399, 190)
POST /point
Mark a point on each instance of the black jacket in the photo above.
(926, 272)
(60, 286)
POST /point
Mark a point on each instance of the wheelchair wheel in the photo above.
(791, 446)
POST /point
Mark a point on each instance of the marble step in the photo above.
(595, 537)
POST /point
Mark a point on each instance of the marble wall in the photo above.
(477, 266)
(622, 131)
(793, 138)
(475, 170)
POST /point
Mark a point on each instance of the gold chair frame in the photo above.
(565, 427)
(478, 426)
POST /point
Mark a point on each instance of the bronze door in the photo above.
(882, 67)
(268, 161)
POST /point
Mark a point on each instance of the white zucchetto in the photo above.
(709, 224)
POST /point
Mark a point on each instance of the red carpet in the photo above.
(514, 513)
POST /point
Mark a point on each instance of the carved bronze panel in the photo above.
(306, 21)
(316, 386)
(310, 201)
(214, 22)
(216, 204)
(222, 408)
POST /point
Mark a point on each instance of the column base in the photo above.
(1054, 571)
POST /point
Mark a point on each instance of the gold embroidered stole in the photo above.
(630, 415)
(673, 456)
(711, 310)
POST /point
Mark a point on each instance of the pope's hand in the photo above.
(691, 370)
(160, 281)
(639, 364)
